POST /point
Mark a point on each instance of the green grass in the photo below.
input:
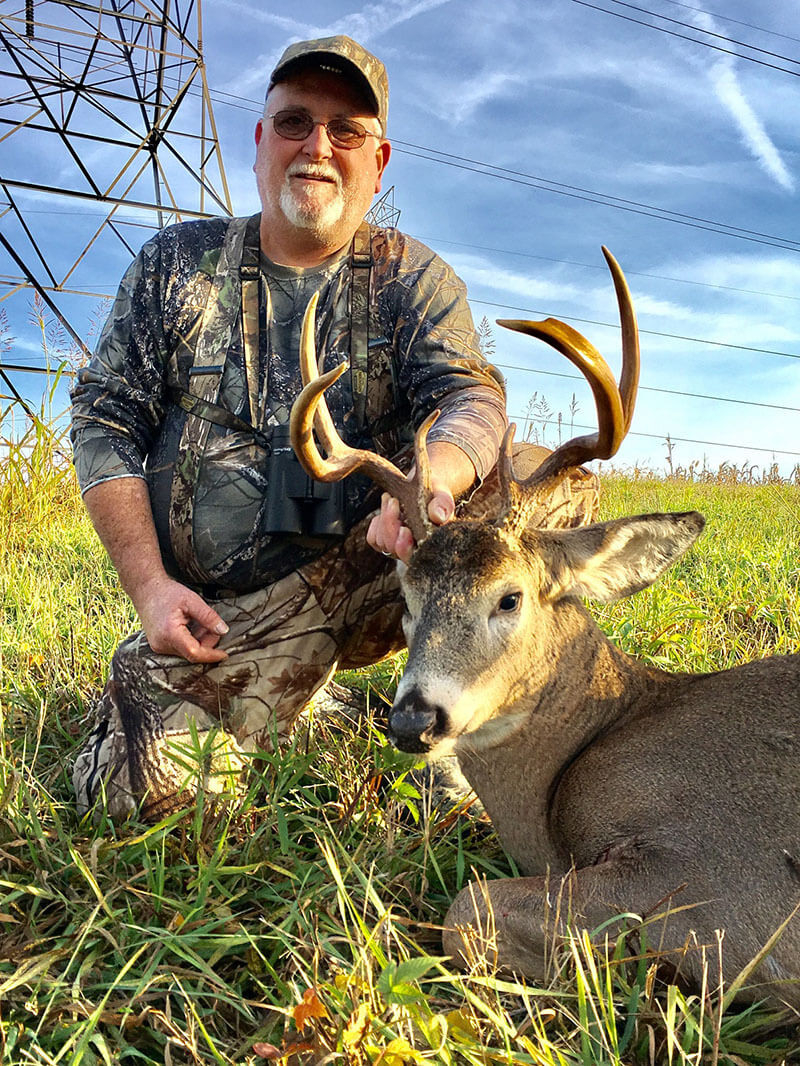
(301, 924)
(735, 596)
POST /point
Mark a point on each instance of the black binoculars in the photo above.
(296, 503)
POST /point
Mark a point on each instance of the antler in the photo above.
(614, 403)
(311, 411)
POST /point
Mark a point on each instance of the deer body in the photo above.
(615, 787)
(622, 783)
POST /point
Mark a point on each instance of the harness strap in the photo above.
(361, 265)
(236, 285)
(250, 274)
(220, 416)
(219, 315)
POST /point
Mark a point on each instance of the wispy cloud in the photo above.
(722, 73)
(458, 100)
(365, 26)
(478, 272)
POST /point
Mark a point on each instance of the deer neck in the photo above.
(587, 689)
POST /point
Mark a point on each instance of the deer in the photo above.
(617, 788)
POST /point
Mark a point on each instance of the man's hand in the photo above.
(452, 473)
(388, 535)
(176, 621)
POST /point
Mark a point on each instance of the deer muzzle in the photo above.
(416, 724)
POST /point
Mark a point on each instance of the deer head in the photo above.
(497, 634)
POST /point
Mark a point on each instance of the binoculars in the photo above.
(296, 503)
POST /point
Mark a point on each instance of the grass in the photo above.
(301, 924)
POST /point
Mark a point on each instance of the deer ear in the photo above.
(610, 560)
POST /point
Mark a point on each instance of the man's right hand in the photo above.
(176, 621)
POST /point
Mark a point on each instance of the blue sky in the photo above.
(567, 125)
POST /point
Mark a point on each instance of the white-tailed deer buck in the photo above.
(615, 787)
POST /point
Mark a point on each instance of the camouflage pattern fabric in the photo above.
(331, 51)
(176, 324)
(165, 727)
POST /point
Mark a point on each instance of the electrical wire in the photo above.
(701, 29)
(684, 37)
(737, 22)
(647, 332)
(518, 418)
(618, 202)
(651, 388)
(560, 188)
(604, 199)
(597, 266)
(660, 436)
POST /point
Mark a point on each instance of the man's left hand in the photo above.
(452, 473)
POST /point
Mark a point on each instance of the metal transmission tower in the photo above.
(383, 212)
(108, 112)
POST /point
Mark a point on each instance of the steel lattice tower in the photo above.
(383, 212)
(107, 108)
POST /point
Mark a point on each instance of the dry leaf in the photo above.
(311, 1007)
(267, 1051)
(357, 1025)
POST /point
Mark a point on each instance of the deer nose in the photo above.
(415, 723)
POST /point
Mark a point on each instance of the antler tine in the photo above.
(310, 411)
(510, 491)
(629, 378)
(614, 403)
(309, 371)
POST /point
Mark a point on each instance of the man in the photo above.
(251, 585)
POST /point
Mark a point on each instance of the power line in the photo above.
(131, 221)
(685, 37)
(661, 436)
(701, 29)
(738, 22)
(61, 370)
(653, 388)
(517, 418)
(604, 199)
(648, 332)
(629, 204)
(562, 189)
(549, 185)
(595, 266)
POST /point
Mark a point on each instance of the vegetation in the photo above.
(300, 925)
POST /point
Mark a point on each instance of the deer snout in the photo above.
(415, 724)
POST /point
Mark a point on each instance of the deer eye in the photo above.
(510, 602)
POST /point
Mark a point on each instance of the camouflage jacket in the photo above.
(177, 314)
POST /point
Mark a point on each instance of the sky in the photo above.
(526, 135)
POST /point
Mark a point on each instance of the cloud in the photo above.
(365, 26)
(477, 272)
(457, 101)
(722, 73)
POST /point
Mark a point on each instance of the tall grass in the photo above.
(301, 924)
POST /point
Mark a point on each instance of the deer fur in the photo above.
(614, 786)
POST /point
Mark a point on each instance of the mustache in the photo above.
(315, 170)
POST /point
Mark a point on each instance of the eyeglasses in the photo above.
(342, 132)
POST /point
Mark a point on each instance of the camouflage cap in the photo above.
(344, 56)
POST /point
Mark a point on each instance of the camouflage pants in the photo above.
(165, 727)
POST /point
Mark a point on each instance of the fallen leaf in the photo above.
(310, 1007)
(267, 1051)
(356, 1029)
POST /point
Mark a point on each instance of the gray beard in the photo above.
(321, 222)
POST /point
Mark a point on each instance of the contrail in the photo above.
(754, 136)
